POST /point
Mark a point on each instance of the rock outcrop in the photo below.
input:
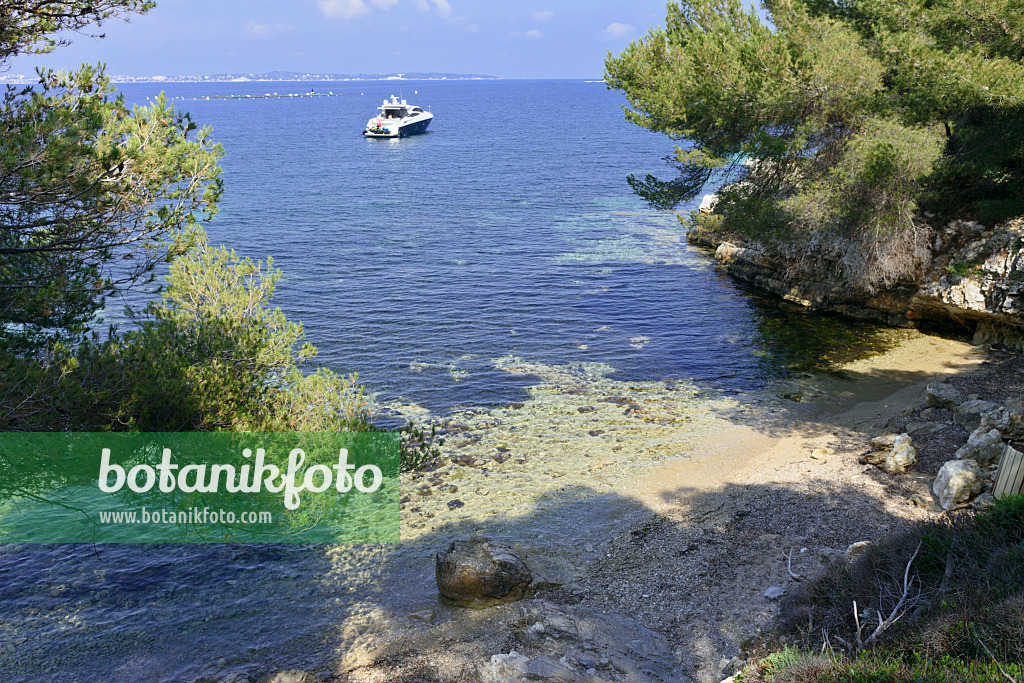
(563, 644)
(479, 572)
(973, 280)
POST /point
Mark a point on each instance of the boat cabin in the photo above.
(394, 109)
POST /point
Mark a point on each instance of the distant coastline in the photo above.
(274, 76)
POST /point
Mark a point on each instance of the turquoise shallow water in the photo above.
(509, 228)
(506, 232)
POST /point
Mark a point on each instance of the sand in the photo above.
(678, 513)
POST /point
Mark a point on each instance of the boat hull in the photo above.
(403, 130)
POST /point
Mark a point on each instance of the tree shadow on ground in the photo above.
(695, 572)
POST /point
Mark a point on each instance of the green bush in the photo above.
(832, 124)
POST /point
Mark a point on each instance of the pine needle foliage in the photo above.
(833, 122)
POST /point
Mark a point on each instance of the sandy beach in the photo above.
(684, 546)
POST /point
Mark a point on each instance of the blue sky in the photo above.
(516, 39)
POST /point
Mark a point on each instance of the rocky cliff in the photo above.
(973, 281)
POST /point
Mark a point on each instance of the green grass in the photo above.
(966, 626)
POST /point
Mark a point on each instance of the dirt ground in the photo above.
(755, 510)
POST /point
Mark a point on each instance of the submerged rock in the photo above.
(958, 482)
(579, 645)
(479, 572)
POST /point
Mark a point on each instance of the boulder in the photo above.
(969, 413)
(894, 454)
(976, 406)
(479, 572)
(943, 396)
(984, 447)
(958, 481)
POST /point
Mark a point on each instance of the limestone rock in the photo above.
(958, 481)
(896, 452)
(564, 644)
(857, 549)
(517, 667)
(976, 406)
(1008, 419)
(290, 676)
(984, 447)
(943, 396)
(479, 572)
(924, 428)
(708, 203)
(822, 453)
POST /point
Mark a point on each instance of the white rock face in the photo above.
(707, 205)
(984, 447)
(896, 452)
(958, 482)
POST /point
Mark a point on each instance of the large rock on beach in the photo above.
(894, 453)
(479, 572)
(984, 447)
(958, 482)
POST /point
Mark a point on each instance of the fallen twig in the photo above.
(995, 661)
(895, 615)
(789, 566)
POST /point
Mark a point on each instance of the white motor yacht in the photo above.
(397, 119)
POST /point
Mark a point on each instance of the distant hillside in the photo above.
(274, 76)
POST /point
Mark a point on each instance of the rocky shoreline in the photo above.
(972, 281)
(687, 586)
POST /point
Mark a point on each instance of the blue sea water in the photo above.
(507, 229)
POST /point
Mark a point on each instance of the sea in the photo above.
(508, 229)
(505, 236)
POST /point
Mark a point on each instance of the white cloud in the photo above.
(472, 28)
(263, 30)
(532, 34)
(543, 16)
(343, 9)
(349, 9)
(444, 9)
(616, 30)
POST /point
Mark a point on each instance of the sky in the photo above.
(508, 39)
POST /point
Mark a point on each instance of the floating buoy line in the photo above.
(265, 96)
